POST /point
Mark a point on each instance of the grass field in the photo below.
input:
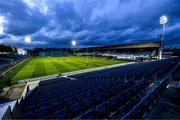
(42, 66)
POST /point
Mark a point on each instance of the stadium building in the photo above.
(95, 59)
(131, 90)
(133, 52)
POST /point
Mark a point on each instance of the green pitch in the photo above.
(42, 66)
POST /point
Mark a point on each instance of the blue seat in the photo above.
(146, 103)
(97, 99)
(43, 111)
(29, 108)
(113, 91)
(126, 108)
(76, 109)
(27, 115)
(121, 100)
(61, 114)
(47, 117)
(42, 105)
(134, 90)
(106, 94)
(68, 101)
(87, 102)
(56, 106)
(127, 117)
(101, 111)
(88, 114)
(112, 104)
(88, 94)
(79, 97)
(137, 112)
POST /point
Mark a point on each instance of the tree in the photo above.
(1, 89)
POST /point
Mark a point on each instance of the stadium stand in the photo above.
(132, 52)
(7, 60)
(125, 92)
(53, 53)
(7, 49)
(8, 56)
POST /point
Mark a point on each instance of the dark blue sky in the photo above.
(54, 23)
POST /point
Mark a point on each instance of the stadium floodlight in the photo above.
(163, 21)
(27, 39)
(74, 44)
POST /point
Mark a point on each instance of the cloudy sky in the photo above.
(54, 23)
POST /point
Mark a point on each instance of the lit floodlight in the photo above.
(73, 43)
(27, 39)
(163, 19)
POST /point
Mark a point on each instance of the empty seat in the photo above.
(76, 109)
(106, 94)
(43, 111)
(121, 99)
(68, 101)
(29, 108)
(101, 111)
(137, 112)
(112, 104)
(79, 97)
(56, 106)
(97, 98)
(47, 117)
(61, 114)
(88, 114)
(27, 115)
(88, 94)
(87, 103)
(95, 95)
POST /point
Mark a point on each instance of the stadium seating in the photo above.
(9, 60)
(126, 90)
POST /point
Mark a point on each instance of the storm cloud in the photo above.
(54, 23)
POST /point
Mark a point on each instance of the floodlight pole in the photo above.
(94, 55)
(74, 51)
(87, 56)
(162, 42)
(74, 44)
(163, 21)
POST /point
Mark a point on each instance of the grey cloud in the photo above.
(90, 22)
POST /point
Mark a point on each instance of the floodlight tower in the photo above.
(74, 45)
(163, 21)
(87, 58)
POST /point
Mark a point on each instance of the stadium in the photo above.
(43, 75)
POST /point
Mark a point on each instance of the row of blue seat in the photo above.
(95, 95)
(144, 105)
(104, 109)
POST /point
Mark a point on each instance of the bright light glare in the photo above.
(73, 42)
(27, 39)
(163, 19)
(21, 51)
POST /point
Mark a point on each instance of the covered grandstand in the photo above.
(9, 59)
(134, 51)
